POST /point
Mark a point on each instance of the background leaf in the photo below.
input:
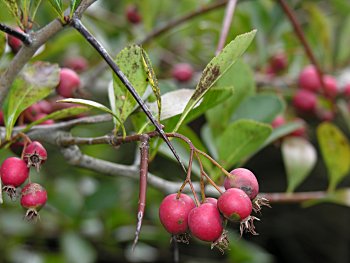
(76, 249)
(34, 83)
(34, 5)
(299, 157)
(14, 10)
(335, 152)
(74, 5)
(130, 63)
(216, 68)
(57, 6)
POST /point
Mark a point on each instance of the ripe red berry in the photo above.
(2, 118)
(132, 14)
(235, 204)
(205, 222)
(35, 154)
(211, 200)
(243, 179)
(278, 62)
(330, 86)
(69, 83)
(77, 64)
(305, 101)
(173, 213)
(33, 198)
(14, 172)
(14, 43)
(182, 72)
(309, 79)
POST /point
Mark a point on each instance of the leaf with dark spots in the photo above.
(216, 69)
(35, 82)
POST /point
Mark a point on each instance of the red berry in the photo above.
(77, 64)
(2, 118)
(309, 79)
(173, 213)
(300, 132)
(346, 90)
(42, 115)
(33, 198)
(14, 172)
(278, 62)
(211, 200)
(14, 43)
(182, 72)
(305, 101)
(69, 83)
(205, 222)
(243, 179)
(35, 154)
(278, 121)
(330, 86)
(235, 205)
(132, 14)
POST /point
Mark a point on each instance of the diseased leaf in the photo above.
(240, 140)
(130, 63)
(57, 6)
(335, 152)
(34, 83)
(216, 68)
(152, 80)
(299, 157)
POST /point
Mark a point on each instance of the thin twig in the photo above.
(76, 23)
(230, 9)
(24, 37)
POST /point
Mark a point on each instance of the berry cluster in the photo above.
(14, 172)
(182, 217)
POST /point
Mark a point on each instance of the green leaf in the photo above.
(299, 157)
(95, 105)
(14, 10)
(261, 107)
(152, 80)
(241, 139)
(57, 6)
(60, 114)
(216, 68)
(130, 63)
(35, 82)
(76, 249)
(74, 5)
(2, 43)
(34, 5)
(242, 78)
(335, 152)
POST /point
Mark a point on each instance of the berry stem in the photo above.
(25, 38)
(214, 162)
(76, 23)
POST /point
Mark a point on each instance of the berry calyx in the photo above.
(35, 154)
(235, 205)
(33, 198)
(205, 222)
(305, 101)
(182, 72)
(69, 83)
(309, 79)
(243, 179)
(173, 213)
(13, 172)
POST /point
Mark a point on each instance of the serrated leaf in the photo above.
(152, 80)
(269, 105)
(2, 43)
(34, 83)
(335, 152)
(216, 68)
(34, 5)
(74, 5)
(299, 157)
(241, 139)
(14, 10)
(130, 63)
(57, 6)
(60, 114)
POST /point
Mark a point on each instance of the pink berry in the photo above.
(33, 198)
(77, 64)
(235, 204)
(132, 14)
(205, 222)
(182, 72)
(243, 179)
(346, 90)
(69, 83)
(305, 101)
(211, 200)
(173, 213)
(300, 132)
(14, 43)
(278, 62)
(43, 115)
(278, 121)
(309, 79)
(14, 172)
(330, 86)
(2, 118)
(35, 154)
